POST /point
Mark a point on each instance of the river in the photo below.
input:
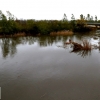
(43, 68)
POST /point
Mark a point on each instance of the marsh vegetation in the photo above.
(11, 26)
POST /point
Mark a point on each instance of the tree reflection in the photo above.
(9, 45)
(49, 40)
(5, 46)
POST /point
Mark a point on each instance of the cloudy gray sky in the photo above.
(50, 9)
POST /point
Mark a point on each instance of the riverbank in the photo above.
(65, 32)
(14, 35)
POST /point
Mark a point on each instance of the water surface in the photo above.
(43, 68)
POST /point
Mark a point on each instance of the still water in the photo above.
(43, 68)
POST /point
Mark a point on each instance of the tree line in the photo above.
(10, 25)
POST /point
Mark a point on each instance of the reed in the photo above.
(86, 45)
(62, 33)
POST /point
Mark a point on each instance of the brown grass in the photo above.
(19, 34)
(86, 45)
(14, 35)
(62, 33)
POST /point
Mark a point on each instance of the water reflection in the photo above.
(49, 40)
(82, 53)
(9, 45)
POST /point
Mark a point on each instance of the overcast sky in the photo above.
(50, 9)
